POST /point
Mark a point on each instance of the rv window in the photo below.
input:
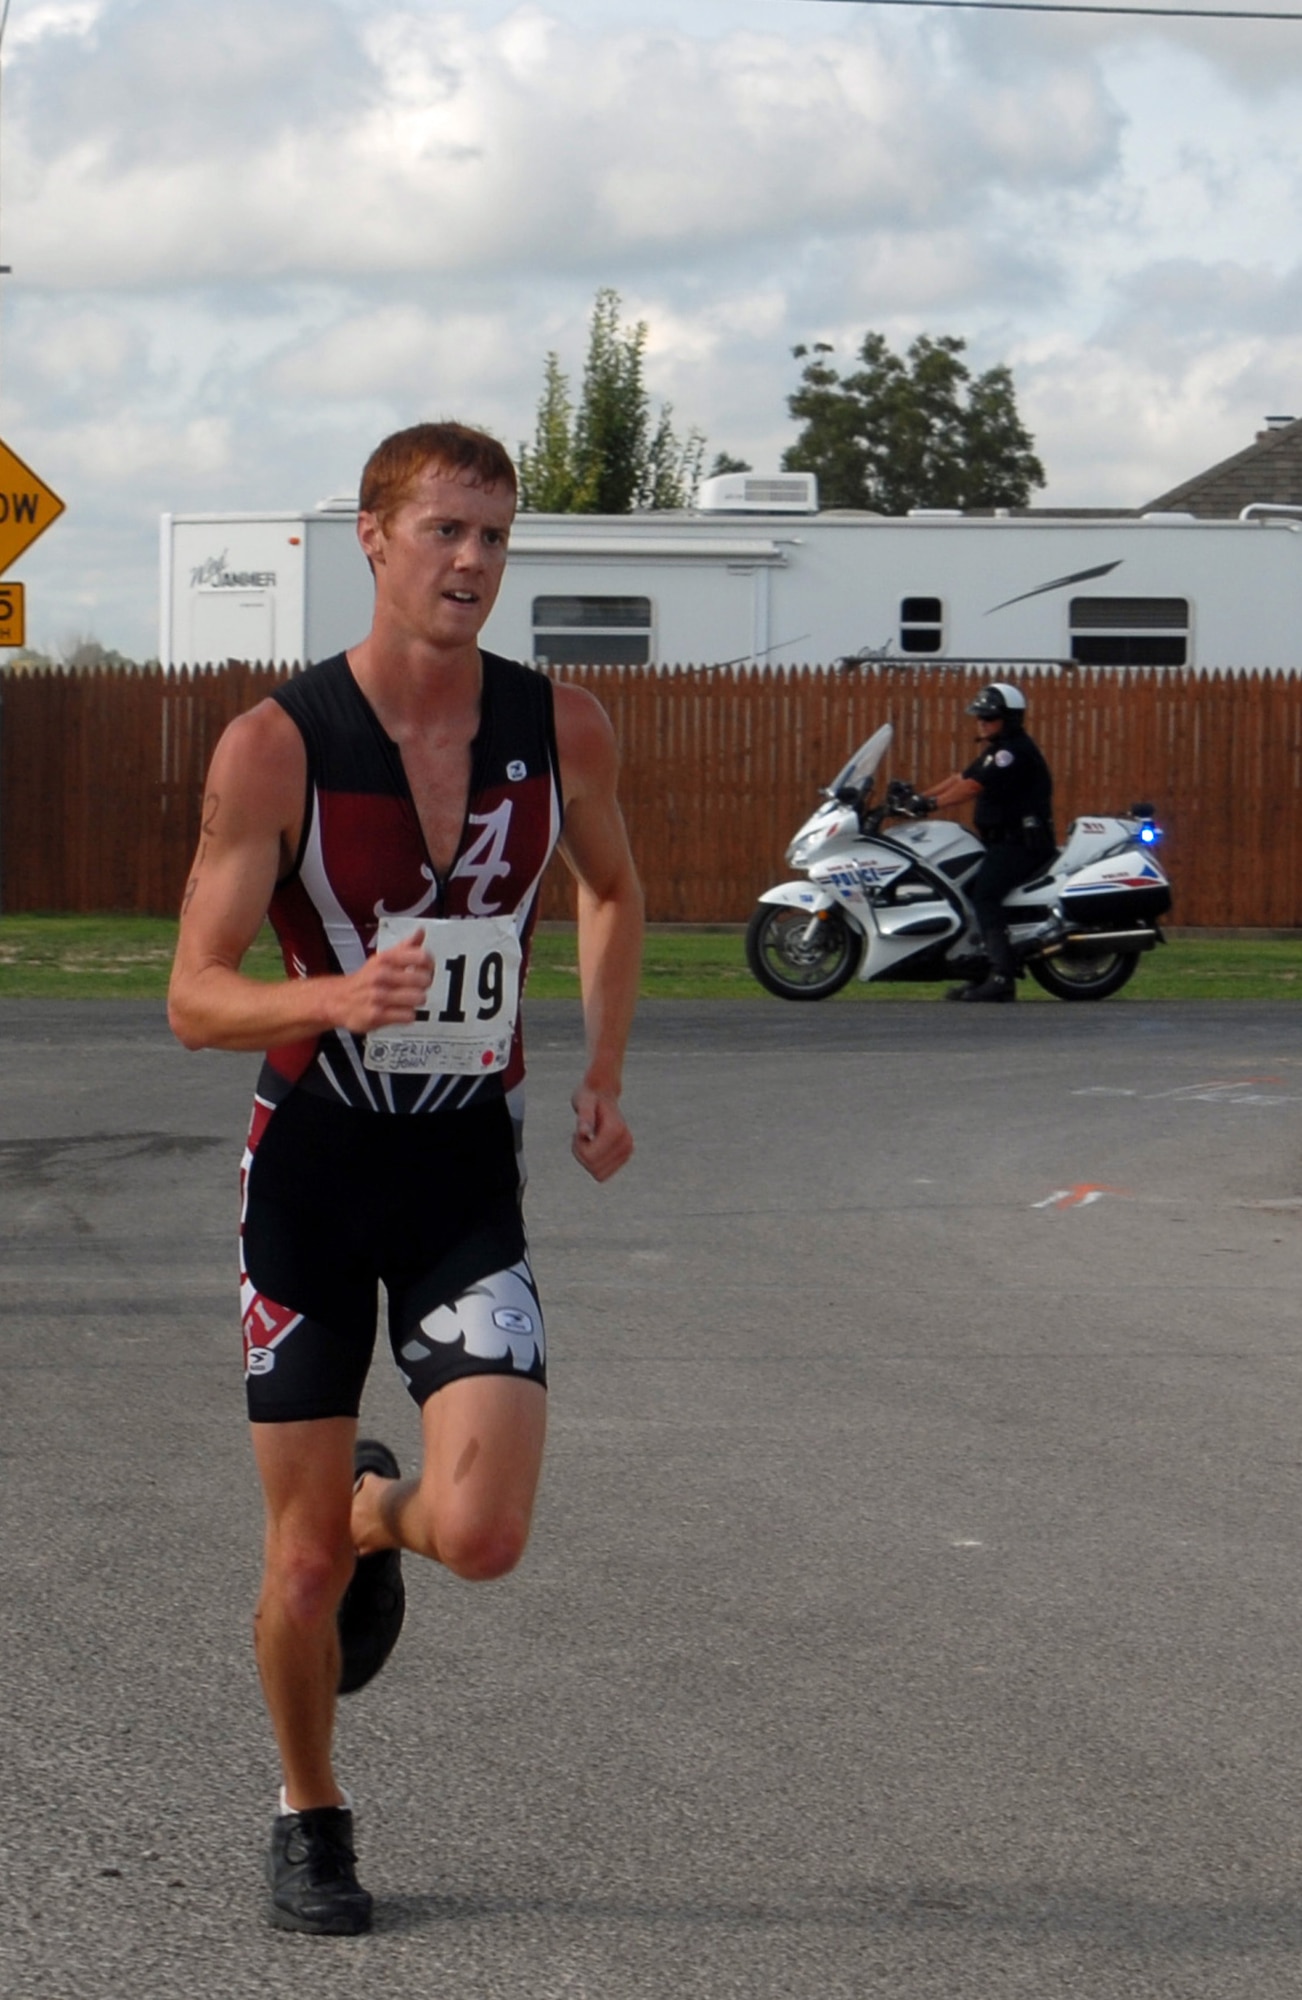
(921, 625)
(1130, 631)
(592, 631)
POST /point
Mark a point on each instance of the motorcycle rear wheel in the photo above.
(801, 955)
(1081, 978)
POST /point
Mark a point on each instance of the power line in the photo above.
(1080, 7)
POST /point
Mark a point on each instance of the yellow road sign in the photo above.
(13, 615)
(27, 507)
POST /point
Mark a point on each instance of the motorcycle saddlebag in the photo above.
(1111, 904)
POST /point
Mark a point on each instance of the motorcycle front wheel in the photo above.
(1081, 978)
(799, 955)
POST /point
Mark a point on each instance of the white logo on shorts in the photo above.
(260, 1361)
(511, 1321)
(515, 770)
(497, 1318)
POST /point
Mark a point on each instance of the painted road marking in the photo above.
(1083, 1196)
(1217, 1090)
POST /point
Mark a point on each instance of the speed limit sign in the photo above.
(13, 615)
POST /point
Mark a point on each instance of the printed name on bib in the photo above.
(466, 1022)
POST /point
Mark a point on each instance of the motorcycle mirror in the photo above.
(1143, 811)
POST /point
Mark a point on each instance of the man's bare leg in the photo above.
(307, 1482)
(472, 1506)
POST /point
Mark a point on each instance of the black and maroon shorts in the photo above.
(339, 1201)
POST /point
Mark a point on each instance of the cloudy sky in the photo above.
(249, 239)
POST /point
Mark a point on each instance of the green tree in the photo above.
(673, 470)
(549, 477)
(917, 431)
(610, 429)
(610, 456)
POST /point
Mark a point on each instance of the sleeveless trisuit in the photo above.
(354, 1176)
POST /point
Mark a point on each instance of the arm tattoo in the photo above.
(193, 882)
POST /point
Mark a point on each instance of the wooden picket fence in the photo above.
(101, 774)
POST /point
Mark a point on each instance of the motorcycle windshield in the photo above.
(862, 767)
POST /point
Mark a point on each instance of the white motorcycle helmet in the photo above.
(1000, 702)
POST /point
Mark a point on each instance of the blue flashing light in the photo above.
(1150, 835)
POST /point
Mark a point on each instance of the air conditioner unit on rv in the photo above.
(758, 493)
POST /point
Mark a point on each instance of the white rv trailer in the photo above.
(757, 573)
(272, 586)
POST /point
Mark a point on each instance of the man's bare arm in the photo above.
(595, 846)
(252, 804)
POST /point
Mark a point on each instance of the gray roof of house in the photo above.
(1269, 470)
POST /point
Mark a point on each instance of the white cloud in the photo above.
(403, 351)
(1125, 419)
(164, 144)
(84, 352)
(125, 449)
(248, 240)
(34, 23)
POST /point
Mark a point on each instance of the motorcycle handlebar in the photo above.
(901, 797)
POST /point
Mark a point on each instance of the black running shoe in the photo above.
(374, 1604)
(311, 1873)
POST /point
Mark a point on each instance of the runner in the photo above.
(393, 809)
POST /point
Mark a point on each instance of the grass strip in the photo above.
(127, 958)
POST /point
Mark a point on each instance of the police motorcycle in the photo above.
(890, 905)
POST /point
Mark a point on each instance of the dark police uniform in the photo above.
(1014, 818)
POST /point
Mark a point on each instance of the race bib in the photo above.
(466, 1021)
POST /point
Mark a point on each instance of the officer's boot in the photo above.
(1000, 982)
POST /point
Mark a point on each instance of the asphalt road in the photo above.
(914, 1607)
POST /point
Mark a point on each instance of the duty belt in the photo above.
(1028, 831)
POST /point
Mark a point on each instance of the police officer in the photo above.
(1013, 788)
